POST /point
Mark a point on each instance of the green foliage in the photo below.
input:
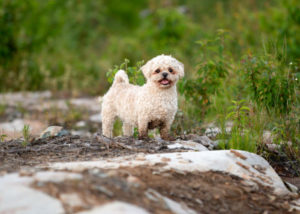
(208, 77)
(2, 137)
(26, 135)
(271, 83)
(134, 73)
(283, 23)
(241, 136)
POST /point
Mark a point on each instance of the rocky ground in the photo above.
(76, 170)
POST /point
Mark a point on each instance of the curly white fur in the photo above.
(152, 105)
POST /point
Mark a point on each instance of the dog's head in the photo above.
(163, 70)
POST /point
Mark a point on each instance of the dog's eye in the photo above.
(170, 70)
(157, 70)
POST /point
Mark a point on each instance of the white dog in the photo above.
(150, 106)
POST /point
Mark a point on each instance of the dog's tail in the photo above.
(121, 77)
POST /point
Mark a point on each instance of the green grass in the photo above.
(26, 135)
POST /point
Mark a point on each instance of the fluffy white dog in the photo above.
(150, 106)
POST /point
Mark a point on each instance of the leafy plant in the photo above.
(134, 73)
(26, 135)
(271, 83)
(208, 77)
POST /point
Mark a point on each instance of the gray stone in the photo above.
(53, 131)
(204, 140)
(187, 145)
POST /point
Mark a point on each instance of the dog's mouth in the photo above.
(165, 82)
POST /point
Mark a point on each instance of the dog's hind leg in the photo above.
(108, 120)
(127, 129)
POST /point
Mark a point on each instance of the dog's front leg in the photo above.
(164, 131)
(143, 128)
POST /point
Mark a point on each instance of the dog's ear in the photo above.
(146, 70)
(180, 68)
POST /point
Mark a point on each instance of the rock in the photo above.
(14, 126)
(267, 137)
(96, 118)
(187, 145)
(249, 166)
(16, 196)
(81, 133)
(72, 200)
(296, 205)
(20, 199)
(53, 131)
(80, 124)
(204, 140)
(116, 207)
(134, 180)
(212, 131)
(272, 147)
(292, 187)
(169, 203)
(56, 177)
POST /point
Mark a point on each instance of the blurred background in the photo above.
(71, 44)
(241, 57)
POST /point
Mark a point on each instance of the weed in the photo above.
(241, 136)
(2, 137)
(26, 135)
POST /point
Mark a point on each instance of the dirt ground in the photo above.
(205, 192)
(14, 154)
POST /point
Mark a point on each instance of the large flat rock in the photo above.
(251, 167)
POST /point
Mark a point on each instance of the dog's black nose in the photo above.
(165, 74)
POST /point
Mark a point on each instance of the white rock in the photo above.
(16, 125)
(20, 199)
(222, 160)
(56, 177)
(16, 196)
(292, 187)
(72, 199)
(187, 145)
(272, 147)
(80, 124)
(212, 131)
(15, 179)
(116, 207)
(96, 118)
(296, 204)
